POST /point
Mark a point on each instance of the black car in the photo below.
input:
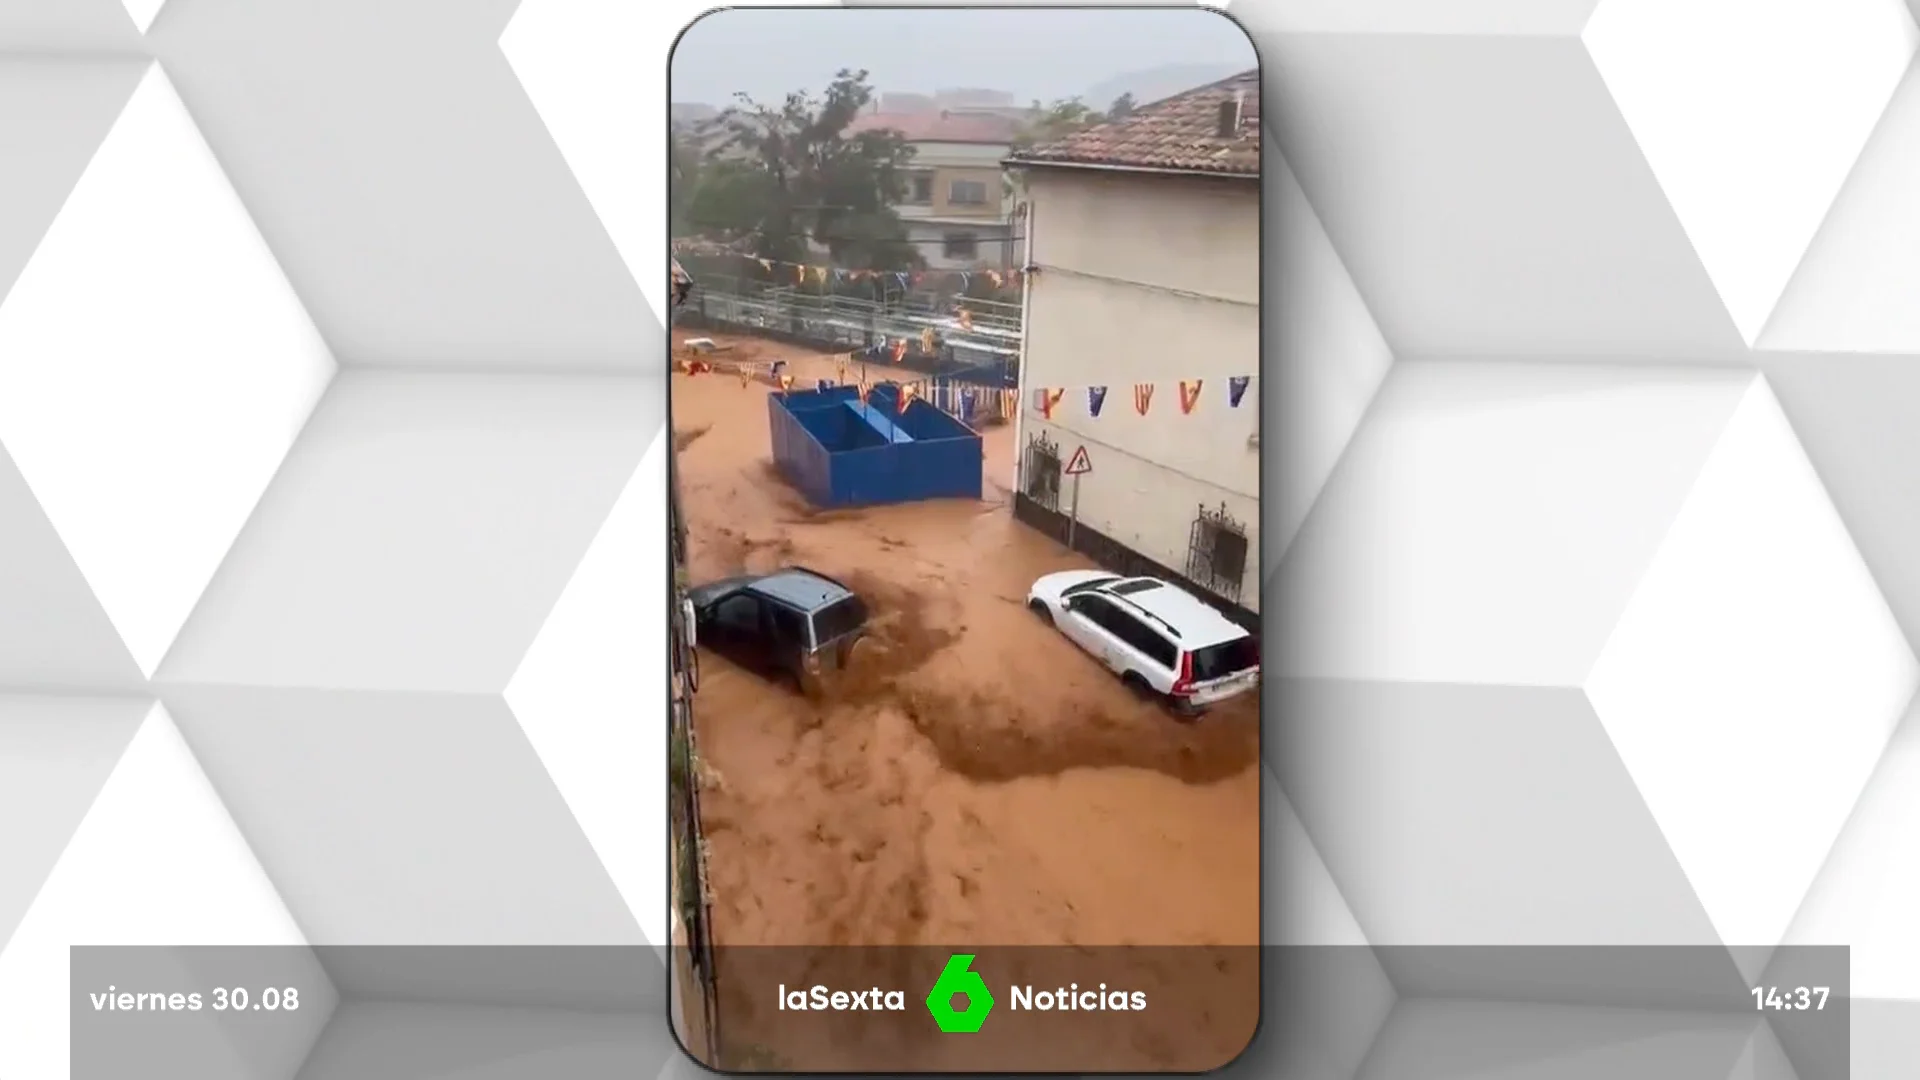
(795, 623)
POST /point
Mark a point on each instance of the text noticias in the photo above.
(1071, 998)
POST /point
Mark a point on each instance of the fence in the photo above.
(841, 322)
(930, 294)
(694, 960)
(976, 404)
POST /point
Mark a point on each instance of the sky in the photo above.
(1043, 54)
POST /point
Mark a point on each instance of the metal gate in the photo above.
(1217, 552)
(1040, 474)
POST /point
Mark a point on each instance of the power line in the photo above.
(907, 240)
(1185, 294)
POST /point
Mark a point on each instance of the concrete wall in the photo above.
(1148, 280)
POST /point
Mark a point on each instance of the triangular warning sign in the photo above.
(1078, 463)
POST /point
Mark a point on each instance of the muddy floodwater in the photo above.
(977, 780)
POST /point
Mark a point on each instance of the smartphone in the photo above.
(965, 484)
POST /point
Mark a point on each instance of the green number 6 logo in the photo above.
(957, 980)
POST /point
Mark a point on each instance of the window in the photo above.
(1146, 639)
(1220, 661)
(919, 189)
(1097, 611)
(789, 627)
(1217, 552)
(838, 619)
(967, 193)
(960, 245)
(1158, 649)
(1137, 585)
(738, 613)
(1043, 471)
(1123, 625)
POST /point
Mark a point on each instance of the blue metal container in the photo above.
(840, 452)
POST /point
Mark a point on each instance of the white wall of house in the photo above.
(1148, 279)
(949, 155)
(992, 246)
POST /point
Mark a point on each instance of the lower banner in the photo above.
(1301, 1013)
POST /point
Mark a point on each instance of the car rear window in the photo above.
(838, 619)
(1224, 659)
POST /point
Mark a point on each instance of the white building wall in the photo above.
(937, 155)
(1149, 280)
(993, 251)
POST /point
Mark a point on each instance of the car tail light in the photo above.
(1184, 684)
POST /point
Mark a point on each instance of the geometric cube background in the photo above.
(1603, 674)
(331, 409)
(1599, 631)
(331, 476)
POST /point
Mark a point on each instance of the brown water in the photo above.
(976, 779)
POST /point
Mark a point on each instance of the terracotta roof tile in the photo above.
(1180, 133)
(939, 127)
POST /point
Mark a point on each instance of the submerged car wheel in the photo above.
(1039, 607)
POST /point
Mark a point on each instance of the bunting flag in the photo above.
(1237, 389)
(1009, 403)
(900, 350)
(746, 376)
(840, 371)
(786, 382)
(966, 319)
(926, 341)
(1047, 399)
(907, 392)
(862, 390)
(1191, 394)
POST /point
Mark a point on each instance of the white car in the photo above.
(1158, 637)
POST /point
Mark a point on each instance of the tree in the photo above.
(1121, 108)
(805, 179)
(684, 161)
(1048, 123)
(729, 201)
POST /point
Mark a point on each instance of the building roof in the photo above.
(1176, 134)
(981, 128)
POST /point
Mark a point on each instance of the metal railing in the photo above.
(692, 901)
(836, 322)
(878, 295)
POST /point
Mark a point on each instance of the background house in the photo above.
(1143, 243)
(957, 210)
